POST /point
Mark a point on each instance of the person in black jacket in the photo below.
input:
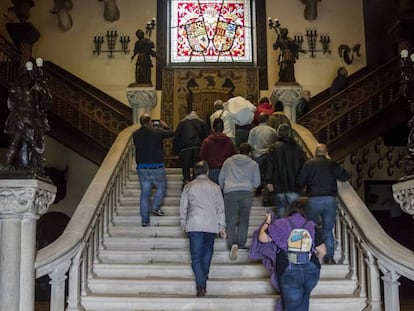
(283, 164)
(319, 175)
(149, 156)
(189, 136)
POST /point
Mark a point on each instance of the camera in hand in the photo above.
(155, 123)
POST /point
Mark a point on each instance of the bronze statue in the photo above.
(144, 49)
(289, 53)
(27, 122)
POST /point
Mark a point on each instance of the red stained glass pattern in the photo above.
(210, 31)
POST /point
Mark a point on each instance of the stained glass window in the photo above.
(210, 31)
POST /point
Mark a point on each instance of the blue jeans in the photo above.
(201, 250)
(213, 174)
(147, 179)
(324, 207)
(283, 200)
(296, 285)
(237, 209)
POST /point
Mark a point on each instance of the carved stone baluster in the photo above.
(362, 275)
(391, 288)
(74, 284)
(374, 283)
(58, 279)
(353, 257)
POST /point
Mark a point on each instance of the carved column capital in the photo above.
(142, 100)
(289, 95)
(28, 196)
(403, 193)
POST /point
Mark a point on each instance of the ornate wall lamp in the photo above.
(111, 38)
(311, 38)
(150, 27)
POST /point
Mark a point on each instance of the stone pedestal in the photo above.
(142, 100)
(21, 203)
(289, 94)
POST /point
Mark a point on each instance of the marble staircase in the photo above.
(149, 268)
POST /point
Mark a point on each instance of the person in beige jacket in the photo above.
(202, 217)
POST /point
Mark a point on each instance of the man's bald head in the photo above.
(321, 150)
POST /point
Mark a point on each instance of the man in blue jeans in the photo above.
(319, 175)
(202, 217)
(149, 156)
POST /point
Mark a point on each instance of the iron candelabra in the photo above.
(111, 39)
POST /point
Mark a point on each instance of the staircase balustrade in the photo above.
(334, 117)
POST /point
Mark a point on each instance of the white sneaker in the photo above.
(233, 252)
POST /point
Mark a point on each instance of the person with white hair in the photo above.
(229, 124)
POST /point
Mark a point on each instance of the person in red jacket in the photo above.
(264, 106)
(215, 149)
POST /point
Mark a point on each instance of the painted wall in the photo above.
(72, 50)
(79, 176)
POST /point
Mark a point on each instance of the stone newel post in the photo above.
(142, 99)
(21, 203)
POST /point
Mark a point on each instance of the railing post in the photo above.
(58, 278)
(391, 289)
(75, 284)
(374, 284)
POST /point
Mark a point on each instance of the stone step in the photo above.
(163, 256)
(212, 303)
(155, 230)
(215, 286)
(255, 219)
(253, 269)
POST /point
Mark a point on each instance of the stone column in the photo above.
(21, 203)
(289, 94)
(142, 100)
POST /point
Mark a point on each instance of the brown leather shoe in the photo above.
(329, 261)
(201, 291)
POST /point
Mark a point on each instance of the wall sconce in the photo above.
(150, 27)
(311, 38)
(111, 37)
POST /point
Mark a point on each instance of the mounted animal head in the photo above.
(311, 9)
(61, 8)
(111, 10)
(347, 54)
